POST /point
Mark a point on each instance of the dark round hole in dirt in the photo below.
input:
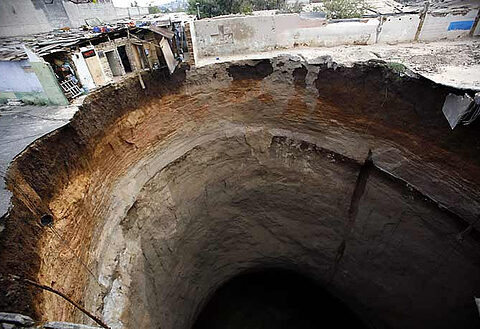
(46, 220)
(274, 299)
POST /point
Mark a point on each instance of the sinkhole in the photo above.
(272, 193)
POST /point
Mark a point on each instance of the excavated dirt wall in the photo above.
(160, 196)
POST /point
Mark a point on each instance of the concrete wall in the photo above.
(253, 34)
(130, 12)
(77, 13)
(18, 17)
(442, 26)
(263, 33)
(18, 80)
(49, 83)
(137, 11)
(23, 17)
(31, 82)
(293, 30)
(398, 29)
(235, 35)
(122, 12)
(54, 12)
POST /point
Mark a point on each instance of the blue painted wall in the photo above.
(18, 76)
(460, 25)
(20, 80)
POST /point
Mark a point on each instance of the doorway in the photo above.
(122, 52)
(113, 63)
(140, 57)
(94, 66)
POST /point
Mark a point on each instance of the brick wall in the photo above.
(188, 35)
(131, 57)
(112, 45)
(102, 48)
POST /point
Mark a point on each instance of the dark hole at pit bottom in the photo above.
(274, 299)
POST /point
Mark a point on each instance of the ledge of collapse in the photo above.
(70, 172)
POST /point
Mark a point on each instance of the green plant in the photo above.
(344, 8)
(396, 67)
(211, 8)
(153, 10)
(289, 9)
(246, 8)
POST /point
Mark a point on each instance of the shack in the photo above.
(55, 68)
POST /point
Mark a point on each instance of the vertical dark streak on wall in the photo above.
(358, 192)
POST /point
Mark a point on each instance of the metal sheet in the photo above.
(168, 54)
(455, 108)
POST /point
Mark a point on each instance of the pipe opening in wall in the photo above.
(46, 220)
(274, 299)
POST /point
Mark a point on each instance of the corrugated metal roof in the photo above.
(11, 49)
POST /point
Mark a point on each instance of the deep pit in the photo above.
(274, 299)
(348, 178)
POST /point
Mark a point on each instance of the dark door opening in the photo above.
(274, 300)
(113, 63)
(124, 58)
(141, 58)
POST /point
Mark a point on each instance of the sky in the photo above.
(126, 3)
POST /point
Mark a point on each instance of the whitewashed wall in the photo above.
(398, 29)
(254, 34)
(78, 13)
(234, 35)
(436, 26)
(293, 30)
(121, 12)
(24, 17)
(20, 17)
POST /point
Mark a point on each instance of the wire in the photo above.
(16, 278)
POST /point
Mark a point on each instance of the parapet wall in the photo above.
(250, 34)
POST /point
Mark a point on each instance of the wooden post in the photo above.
(423, 15)
(475, 24)
(140, 79)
